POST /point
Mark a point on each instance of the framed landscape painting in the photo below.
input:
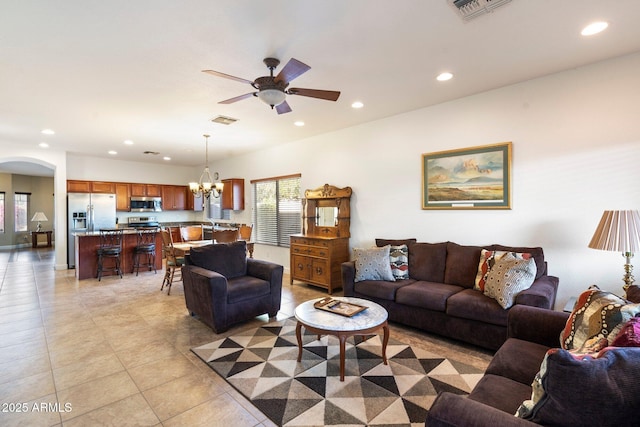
(468, 178)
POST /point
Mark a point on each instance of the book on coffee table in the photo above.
(342, 308)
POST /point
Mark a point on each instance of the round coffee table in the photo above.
(322, 322)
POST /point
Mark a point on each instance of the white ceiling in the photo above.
(101, 72)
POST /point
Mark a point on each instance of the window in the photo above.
(1, 211)
(215, 209)
(21, 210)
(277, 209)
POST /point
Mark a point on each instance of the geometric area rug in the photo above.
(262, 365)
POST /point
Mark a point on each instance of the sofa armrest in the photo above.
(450, 410)
(348, 278)
(205, 294)
(542, 293)
(536, 324)
(272, 273)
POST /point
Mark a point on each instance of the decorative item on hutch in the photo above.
(317, 253)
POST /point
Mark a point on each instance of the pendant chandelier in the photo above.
(206, 187)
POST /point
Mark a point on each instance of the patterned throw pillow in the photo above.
(508, 277)
(596, 319)
(373, 264)
(399, 259)
(585, 390)
(487, 260)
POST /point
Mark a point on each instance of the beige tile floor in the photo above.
(117, 352)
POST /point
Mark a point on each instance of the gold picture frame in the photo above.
(468, 178)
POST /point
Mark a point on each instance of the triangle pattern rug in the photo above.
(262, 365)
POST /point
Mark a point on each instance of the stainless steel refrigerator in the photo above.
(88, 212)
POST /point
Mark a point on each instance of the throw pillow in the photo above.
(373, 264)
(487, 260)
(629, 335)
(508, 278)
(595, 321)
(585, 390)
(399, 260)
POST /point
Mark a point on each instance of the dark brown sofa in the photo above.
(439, 296)
(596, 392)
(224, 287)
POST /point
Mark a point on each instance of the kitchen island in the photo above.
(87, 244)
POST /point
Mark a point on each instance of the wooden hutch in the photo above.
(317, 253)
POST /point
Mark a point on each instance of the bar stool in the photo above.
(173, 262)
(146, 249)
(110, 248)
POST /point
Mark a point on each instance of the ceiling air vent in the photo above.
(155, 153)
(470, 9)
(224, 120)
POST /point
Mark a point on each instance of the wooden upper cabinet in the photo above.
(174, 197)
(233, 194)
(146, 190)
(123, 196)
(74, 186)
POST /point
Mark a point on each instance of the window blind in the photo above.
(277, 210)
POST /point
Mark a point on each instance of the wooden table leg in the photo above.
(299, 337)
(342, 338)
(385, 341)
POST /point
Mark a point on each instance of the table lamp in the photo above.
(39, 216)
(619, 231)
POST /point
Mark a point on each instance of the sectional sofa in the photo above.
(439, 296)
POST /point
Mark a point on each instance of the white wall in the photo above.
(576, 152)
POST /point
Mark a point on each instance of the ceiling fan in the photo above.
(273, 90)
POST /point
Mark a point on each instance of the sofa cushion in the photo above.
(427, 261)
(488, 259)
(536, 252)
(429, 295)
(629, 335)
(399, 260)
(518, 360)
(228, 259)
(500, 393)
(596, 319)
(372, 264)
(246, 288)
(379, 289)
(461, 266)
(585, 390)
(508, 278)
(474, 305)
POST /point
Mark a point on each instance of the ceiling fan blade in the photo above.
(329, 95)
(227, 76)
(293, 69)
(237, 98)
(283, 108)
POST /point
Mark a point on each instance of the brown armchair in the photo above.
(224, 287)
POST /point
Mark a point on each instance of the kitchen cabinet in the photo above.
(146, 190)
(233, 194)
(194, 203)
(174, 197)
(76, 186)
(123, 196)
(103, 187)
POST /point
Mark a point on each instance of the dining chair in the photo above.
(172, 262)
(245, 232)
(225, 236)
(191, 232)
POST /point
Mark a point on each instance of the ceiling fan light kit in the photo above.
(272, 90)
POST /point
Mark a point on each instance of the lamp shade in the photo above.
(272, 96)
(39, 216)
(618, 231)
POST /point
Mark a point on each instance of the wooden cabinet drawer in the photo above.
(310, 242)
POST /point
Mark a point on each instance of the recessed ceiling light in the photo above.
(43, 145)
(357, 104)
(47, 132)
(443, 77)
(128, 142)
(166, 158)
(299, 123)
(594, 28)
(112, 152)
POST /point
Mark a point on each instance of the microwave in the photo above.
(145, 204)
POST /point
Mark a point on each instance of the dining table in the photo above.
(183, 248)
